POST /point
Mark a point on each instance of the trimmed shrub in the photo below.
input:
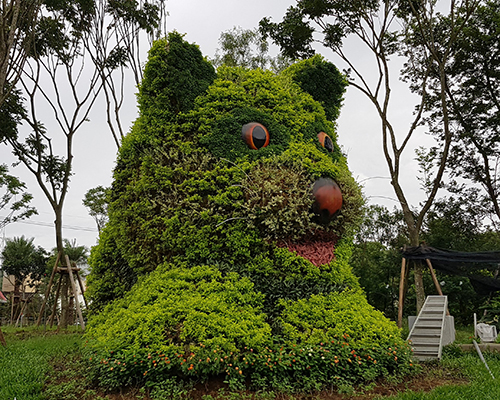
(208, 239)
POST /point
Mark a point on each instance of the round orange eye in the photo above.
(325, 141)
(255, 135)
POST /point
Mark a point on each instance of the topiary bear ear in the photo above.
(175, 74)
(322, 80)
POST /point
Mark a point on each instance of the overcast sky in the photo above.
(202, 21)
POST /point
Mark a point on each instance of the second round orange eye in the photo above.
(255, 135)
(325, 141)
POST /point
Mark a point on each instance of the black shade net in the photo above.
(477, 266)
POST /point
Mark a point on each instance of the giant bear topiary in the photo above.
(227, 247)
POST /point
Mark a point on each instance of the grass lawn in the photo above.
(468, 365)
(44, 365)
(25, 362)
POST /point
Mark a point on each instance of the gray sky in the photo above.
(203, 21)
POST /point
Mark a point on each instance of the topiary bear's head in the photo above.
(239, 167)
(230, 227)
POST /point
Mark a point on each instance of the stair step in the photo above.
(426, 341)
(425, 352)
(422, 344)
(422, 330)
(426, 358)
(434, 335)
(426, 333)
(430, 325)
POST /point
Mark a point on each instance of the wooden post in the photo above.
(434, 279)
(475, 325)
(73, 286)
(436, 283)
(51, 322)
(2, 338)
(47, 292)
(83, 290)
(19, 317)
(12, 308)
(401, 292)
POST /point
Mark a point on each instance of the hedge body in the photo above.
(195, 252)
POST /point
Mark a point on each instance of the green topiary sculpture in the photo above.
(229, 236)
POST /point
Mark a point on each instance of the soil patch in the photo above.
(431, 378)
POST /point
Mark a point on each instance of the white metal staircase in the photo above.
(426, 334)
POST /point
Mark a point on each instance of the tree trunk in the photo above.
(65, 306)
(419, 285)
(2, 338)
(414, 236)
(71, 309)
(64, 301)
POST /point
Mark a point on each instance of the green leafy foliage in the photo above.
(324, 317)
(247, 48)
(323, 81)
(111, 275)
(175, 75)
(287, 368)
(96, 202)
(14, 201)
(193, 273)
(184, 306)
(21, 258)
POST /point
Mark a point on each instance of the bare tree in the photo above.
(115, 44)
(73, 62)
(18, 19)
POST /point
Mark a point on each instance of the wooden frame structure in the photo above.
(403, 283)
(71, 270)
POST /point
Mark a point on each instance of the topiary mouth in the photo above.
(318, 247)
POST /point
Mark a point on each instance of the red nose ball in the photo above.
(328, 197)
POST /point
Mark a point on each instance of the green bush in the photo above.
(323, 81)
(290, 367)
(324, 317)
(176, 73)
(178, 307)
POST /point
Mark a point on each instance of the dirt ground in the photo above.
(428, 380)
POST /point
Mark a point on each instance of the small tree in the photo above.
(376, 257)
(22, 259)
(14, 202)
(249, 49)
(96, 201)
(76, 253)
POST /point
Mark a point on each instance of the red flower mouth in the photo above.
(318, 248)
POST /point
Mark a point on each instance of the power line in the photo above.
(50, 225)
